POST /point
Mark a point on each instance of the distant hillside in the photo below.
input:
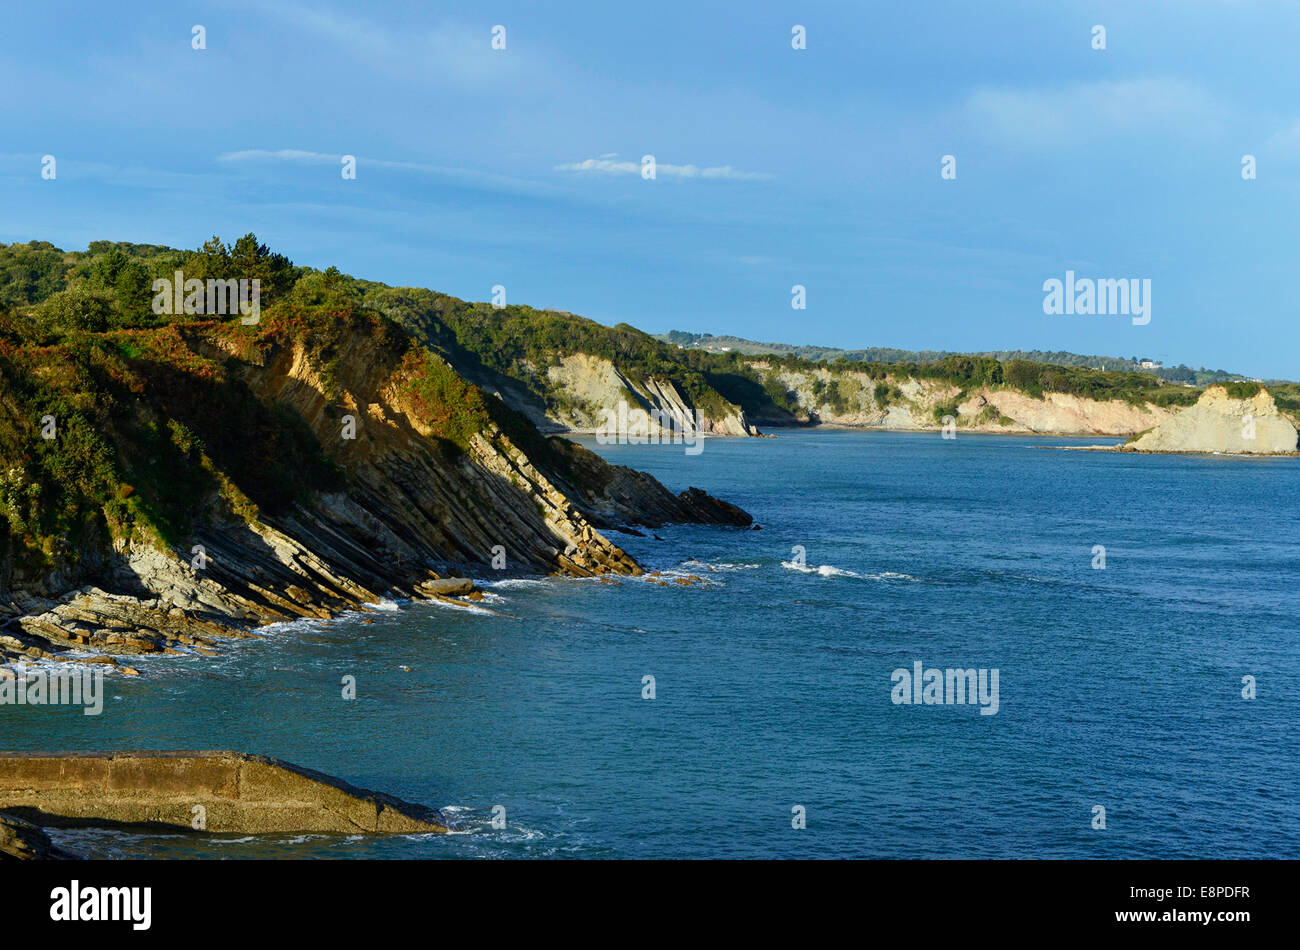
(882, 354)
(566, 372)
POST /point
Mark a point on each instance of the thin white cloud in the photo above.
(608, 166)
(282, 155)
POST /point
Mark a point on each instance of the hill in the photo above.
(724, 343)
(168, 480)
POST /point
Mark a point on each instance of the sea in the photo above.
(746, 699)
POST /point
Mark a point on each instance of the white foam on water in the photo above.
(512, 582)
(723, 567)
(830, 570)
(458, 607)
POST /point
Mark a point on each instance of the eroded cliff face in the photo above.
(584, 388)
(431, 480)
(848, 398)
(580, 391)
(1220, 423)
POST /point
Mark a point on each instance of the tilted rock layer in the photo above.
(329, 462)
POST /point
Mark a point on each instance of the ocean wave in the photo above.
(510, 582)
(722, 567)
(470, 821)
(458, 606)
(830, 570)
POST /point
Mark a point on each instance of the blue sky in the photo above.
(776, 166)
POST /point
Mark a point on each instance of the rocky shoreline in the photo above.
(413, 516)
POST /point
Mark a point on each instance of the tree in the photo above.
(80, 307)
(127, 282)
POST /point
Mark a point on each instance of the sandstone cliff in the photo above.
(1220, 422)
(847, 397)
(580, 389)
(310, 465)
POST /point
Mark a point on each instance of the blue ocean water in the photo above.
(1119, 687)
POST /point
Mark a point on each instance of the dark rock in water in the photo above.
(714, 510)
(23, 841)
(216, 792)
(610, 495)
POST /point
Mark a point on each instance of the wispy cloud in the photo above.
(280, 155)
(608, 165)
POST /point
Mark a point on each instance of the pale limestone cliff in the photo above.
(849, 398)
(1220, 423)
(587, 386)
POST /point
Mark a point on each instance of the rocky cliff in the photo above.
(847, 397)
(565, 372)
(585, 389)
(1225, 423)
(168, 488)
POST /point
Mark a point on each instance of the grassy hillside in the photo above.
(57, 297)
(119, 425)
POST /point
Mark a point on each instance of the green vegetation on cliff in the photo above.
(135, 433)
(107, 288)
(118, 422)
(883, 354)
(522, 344)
